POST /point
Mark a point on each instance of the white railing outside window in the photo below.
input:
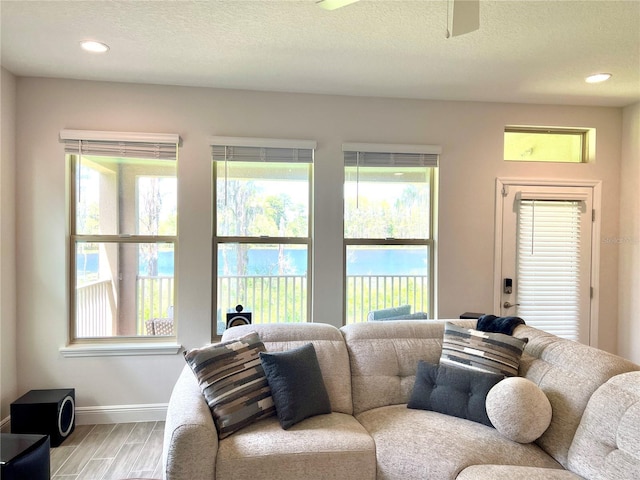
(95, 310)
(270, 299)
(155, 299)
(366, 293)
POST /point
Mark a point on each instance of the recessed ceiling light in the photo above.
(598, 77)
(94, 47)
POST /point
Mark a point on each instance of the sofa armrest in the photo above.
(190, 436)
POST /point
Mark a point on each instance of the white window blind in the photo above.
(548, 265)
(241, 149)
(390, 155)
(158, 146)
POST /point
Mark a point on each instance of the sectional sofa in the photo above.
(369, 371)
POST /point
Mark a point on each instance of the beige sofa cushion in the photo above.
(509, 472)
(330, 349)
(419, 444)
(333, 446)
(607, 442)
(384, 358)
(568, 373)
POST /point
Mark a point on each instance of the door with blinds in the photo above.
(546, 255)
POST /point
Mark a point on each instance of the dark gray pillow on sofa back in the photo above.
(296, 384)
(453, 391)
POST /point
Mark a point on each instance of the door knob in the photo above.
(509, 304)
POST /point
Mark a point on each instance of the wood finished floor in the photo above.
(110, 452)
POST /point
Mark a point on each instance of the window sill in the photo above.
(120, 349)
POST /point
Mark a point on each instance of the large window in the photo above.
(262, 239)
(389, 207)
(123, 221)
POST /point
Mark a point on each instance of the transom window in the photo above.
(389, 195)
(549, 144)
(123, 227)
(262, 240)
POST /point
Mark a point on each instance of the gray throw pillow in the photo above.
(296, 384)
(453, 391)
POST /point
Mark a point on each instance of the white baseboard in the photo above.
(155, 412)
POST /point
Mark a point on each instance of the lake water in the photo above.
(390, 261)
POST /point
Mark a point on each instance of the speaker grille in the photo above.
(66, 416)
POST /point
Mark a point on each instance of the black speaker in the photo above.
(238, 318)
(47, 412)
(24, 457)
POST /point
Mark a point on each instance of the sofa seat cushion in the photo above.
(332, 446)
(510, 472)
(418, 444)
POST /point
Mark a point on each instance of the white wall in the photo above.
(629, 239)
(8, 355)
(471, 135)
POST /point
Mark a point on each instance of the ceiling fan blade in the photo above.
(466, 16)
(334, 4)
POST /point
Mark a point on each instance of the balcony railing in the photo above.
(366, 293)
(155, 299)
(96, 306)
(283, 298)
(95, 310)
(271, 299)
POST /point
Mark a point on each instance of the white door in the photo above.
(544, 257)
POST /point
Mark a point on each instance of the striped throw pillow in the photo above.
(481, 351)
(233, 382)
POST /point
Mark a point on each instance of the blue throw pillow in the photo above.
(453, 391)
(296, 384)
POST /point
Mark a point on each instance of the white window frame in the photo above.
(307, 147)
(106, 143)
(387, 154)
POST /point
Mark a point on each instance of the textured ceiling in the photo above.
(525, 51)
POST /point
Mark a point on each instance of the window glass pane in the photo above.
(258, 199)
(156, 205)
(270, 281)
(123, 289)
(531, 146)
(381, 277)
(384, 202)
(125, 196)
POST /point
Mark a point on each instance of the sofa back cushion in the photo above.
(607, 442)
(384, 358)
(330, 350)
(568, 373)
